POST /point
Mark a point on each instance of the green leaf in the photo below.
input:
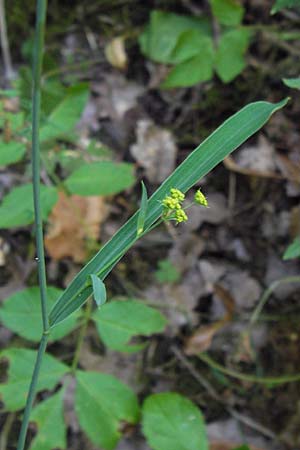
(21, 313)
(49, 418)
(230, 59)
(195, 70)
(293, 250)
(63, 118)
(99, 290)
(101, 178)
(229, 136)
(292, 82)
(167, 272)
(189, 44)
(228, 12)
(160, 38)
(11, 152)
(16, 209)
(102, 402)
(143, 211)
(120, 320)
(13, 121)
(172, 422)
(21, 363)
(281, 4)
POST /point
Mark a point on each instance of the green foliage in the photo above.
(61, 121)
(102, 402)
(17, 210)
(21, 361)
(21, 313)
(292, 82)
(186, 43)
(160, 38)
(101, 178)
(293, 250)
(48, 416)
(194, 70)
(167, 272)
(227, 12)
(282, 4)
(120, 320)
(172, 422)
(232, 133)
(230, 53)
(99, 290)
(11, 152)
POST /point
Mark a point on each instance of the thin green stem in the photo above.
(36, 106)
(86, 318)
(31, 392)
(267, 294)
(282, 379)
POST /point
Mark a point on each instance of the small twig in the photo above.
(8, 68)
(6, 430)
(237, 415)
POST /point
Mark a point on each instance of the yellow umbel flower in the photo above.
(171, 203)
(177, 194)
(200, 198)
(180, 216)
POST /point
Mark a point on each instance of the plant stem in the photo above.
(36, 106)
(31, 392)
(86, 318)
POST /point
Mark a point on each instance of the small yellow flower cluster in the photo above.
(177, 194)
(171, 203)
(200, 198)
(172, 206)
(180, 216)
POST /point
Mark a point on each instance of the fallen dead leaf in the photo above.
(74, 222)
(257, 161)
(115, 53)
(201, 339)
(155, 150)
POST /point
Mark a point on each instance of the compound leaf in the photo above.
(101, 178)
(48, 416)
(120, 320)
(21, 362)
(11, 152)
(230, 59)
(21, 313)
(16, 209)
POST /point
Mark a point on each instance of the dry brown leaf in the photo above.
(115, 53)
(73, 222)
(201, 339)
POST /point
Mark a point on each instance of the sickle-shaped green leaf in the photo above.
(230, 135)
(99, 290)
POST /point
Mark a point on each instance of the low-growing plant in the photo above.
(197, 47)
(102, 402)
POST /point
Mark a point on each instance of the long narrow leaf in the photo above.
(142, 211)
(230, 135)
